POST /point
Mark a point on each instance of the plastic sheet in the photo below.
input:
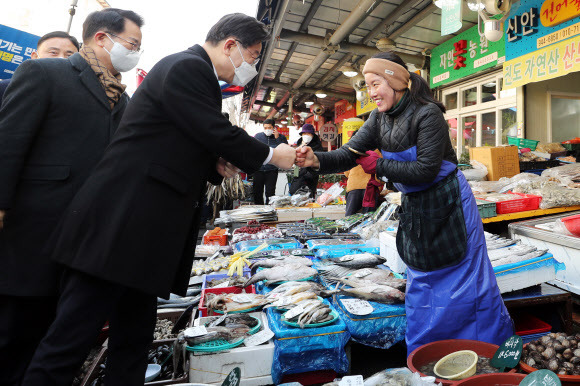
(384, 327)
(527, 265)
(300, 350)
(273, 244)
(478, 173)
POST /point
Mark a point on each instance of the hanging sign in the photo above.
(508, 354)
(554, 12)
(366, 105)
(451, 15)
(328, 132)
(464, 55)
(15, 47)
(349, 127)
(343, 109)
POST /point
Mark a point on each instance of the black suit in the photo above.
(55, 123)
(134, 222)
(3, 86)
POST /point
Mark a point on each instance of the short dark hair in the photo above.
(246, 29)
(269, 121)
(108, 19)
(58, 34)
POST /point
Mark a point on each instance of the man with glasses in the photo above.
(129, 234)
(57, 118)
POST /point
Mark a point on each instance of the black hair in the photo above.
(269, 121)
(108, 19)
(245, 29)
(227, 115)
(58, 34)
(420, 91)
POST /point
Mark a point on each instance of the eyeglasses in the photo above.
(135, 47)
(255, 58)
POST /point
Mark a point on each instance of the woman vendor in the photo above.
(451, 288)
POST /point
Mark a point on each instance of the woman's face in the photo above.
(380, 92)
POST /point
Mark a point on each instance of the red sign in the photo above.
(460, 49)
(285, 131)
(343, 110)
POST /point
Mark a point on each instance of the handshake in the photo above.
(285, 157)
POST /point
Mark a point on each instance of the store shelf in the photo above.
(529, 213)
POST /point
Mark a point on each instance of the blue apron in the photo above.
(461, 301)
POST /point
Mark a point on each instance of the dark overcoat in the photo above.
(55, 124)
(134, 220)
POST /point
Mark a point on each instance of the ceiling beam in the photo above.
(288, 86)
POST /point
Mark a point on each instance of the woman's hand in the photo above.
(305, 157)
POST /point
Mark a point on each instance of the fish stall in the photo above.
(554, 234)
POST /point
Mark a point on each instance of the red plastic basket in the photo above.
(224, 290)
(527, 202)
(527, 324)
(572, 223)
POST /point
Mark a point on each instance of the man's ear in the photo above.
(34, 55)
(228, 44)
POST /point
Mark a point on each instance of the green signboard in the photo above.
(451, 16)
(508, 354)
(464, 55)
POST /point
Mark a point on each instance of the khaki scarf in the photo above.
(111, 83)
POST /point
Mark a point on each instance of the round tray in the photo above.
(238, 312)
(222, 344)
(334, 318)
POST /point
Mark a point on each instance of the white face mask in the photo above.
(123, 59)
(306, 138)
(243, 74)
(268, 132)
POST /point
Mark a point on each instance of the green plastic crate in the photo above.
(486, 208)
(522, 143)
(571, 146)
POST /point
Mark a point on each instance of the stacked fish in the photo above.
(247, 213)
(514, 254)
(282, 269)
(229, 302)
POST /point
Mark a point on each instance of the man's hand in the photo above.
(283, 156)
(276, 134)
(2, 213)
(305, 157)
(226, 169)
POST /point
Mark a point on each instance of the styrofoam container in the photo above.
(524, 279)
(255, 363)
(388, 243)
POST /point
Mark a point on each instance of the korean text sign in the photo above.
(15, 47)
(464, 55)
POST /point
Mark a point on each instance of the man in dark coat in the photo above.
(57, 44)
(267, 176)
(129, 234)
(307, 177)
(55, 123)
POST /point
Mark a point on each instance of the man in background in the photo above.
(55, 44)
(57, 118)
(268, 174)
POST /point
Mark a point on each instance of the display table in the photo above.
(543, 294)
(529, 213)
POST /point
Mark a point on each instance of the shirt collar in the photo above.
(215, 72)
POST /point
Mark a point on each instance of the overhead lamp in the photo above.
(386, 44)
(320, 94)
(308, 104)
(349, 71)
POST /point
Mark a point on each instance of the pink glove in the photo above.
(369, 164)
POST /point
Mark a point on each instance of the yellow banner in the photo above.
(366, 106)
(546, 63)
(554, 12)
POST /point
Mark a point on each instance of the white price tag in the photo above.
(363, 273)
(357, 306)
(241, 298)
(351, 380)
(259, 338)
(295, 311)
(192, 332)
(222, 285)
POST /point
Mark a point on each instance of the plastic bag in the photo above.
(400, 377)
(478, 173)
(329, 194)
(567, 175)
(552, 147)
(560, 228)
(279, 201)
(300, 199)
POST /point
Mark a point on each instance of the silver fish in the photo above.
(363, 260)
(282, 273)
(377, 293)
(500, 253)
(499, 243)
(269, 263)
(517, 258)
(400, 284)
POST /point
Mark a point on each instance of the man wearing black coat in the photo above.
(267, 176)
(129, 234)
(57, 118)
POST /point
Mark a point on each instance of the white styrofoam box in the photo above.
(255, 363)
(569, 278)
(388, 245)
(333, 212)
(294, 214)
(525, 279)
